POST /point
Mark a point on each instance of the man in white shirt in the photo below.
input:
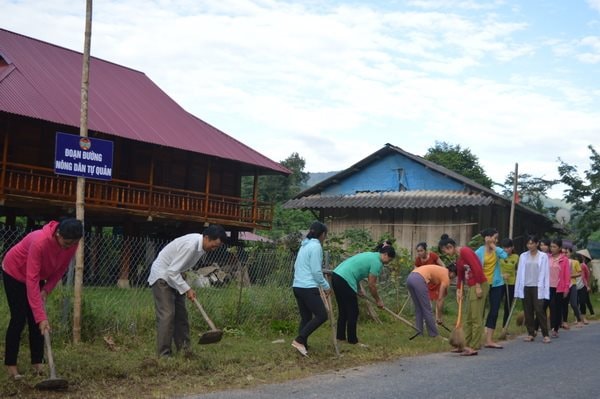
(169, 288)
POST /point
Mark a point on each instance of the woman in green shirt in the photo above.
(346, 279)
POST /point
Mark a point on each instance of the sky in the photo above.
(334, 81)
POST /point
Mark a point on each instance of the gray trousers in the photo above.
(171, 319)
(417, 287)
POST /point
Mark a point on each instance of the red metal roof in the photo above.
(43, 81)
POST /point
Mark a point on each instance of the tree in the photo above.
(584, 195)
(531, 190)
(279, 188)
(461, 161)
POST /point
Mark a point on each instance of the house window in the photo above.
(402, 183)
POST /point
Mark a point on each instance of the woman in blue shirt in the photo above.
(308, 278)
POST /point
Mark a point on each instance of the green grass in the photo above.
(255, 351)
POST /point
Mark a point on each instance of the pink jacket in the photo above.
(585, 274)
(564, 278)
(38, 257)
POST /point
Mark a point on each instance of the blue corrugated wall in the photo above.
(383, 175)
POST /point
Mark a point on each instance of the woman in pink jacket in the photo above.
(560, 279)
(31, 269)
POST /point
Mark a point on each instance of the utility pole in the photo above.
(80, 199)
(513, 202)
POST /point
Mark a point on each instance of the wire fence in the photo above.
(240, 286)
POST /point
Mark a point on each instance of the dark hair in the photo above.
(580, 258)
(556, 241)
(452, 267)
(386, 248)
(70, 229)
(533, 238)
(316, 229)
(445, 240)
(422, 245)
(490, 231)
(214, 232)
(506, 243)
(545, 241)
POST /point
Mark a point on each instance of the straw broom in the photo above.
(457, 337)
(505, 328)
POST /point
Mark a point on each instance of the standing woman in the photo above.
(490, 255)
(508, 267)
(31, 269)
(425, 257)
(308, 278)
(420, 282)
(584, 293)
(346, 279)
(533, 286)
(469, 271)
(560, 277)
(571, 299)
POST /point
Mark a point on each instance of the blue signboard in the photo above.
(83, 156)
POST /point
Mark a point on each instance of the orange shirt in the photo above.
(435, 276)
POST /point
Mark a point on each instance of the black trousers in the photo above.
(583, 297)
(347, 309)
(309, 304)
(20, 312)
(571, 299)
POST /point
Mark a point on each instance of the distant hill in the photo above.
(318, 177)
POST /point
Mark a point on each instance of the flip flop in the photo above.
(300, 348)
(494, 346)
(457, 350)
(472, 353)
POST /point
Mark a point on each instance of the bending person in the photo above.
(31, 269)
(345, 281)
(170, 289)
(420, 282)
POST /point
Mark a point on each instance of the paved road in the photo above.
(569, 367)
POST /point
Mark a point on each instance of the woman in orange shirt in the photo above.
(419, 282)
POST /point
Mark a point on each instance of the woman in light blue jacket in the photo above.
(308, 278)
(489, 255)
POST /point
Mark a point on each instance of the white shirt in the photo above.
(176, 257)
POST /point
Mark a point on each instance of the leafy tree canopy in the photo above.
(279, 188)
(531, 191)
(584, 195)
(459, 160)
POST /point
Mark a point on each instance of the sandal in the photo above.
(528, 339)
(300, 348)
(546, 340)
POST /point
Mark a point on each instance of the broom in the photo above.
(505, 328)
(520, 319)
(457, 337)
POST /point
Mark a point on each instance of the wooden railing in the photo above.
(43, 184)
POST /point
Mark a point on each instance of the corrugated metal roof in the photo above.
(45, 84)
(394, 200)
(470, 185)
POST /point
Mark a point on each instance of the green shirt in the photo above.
(358, 267)
(509, 266)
